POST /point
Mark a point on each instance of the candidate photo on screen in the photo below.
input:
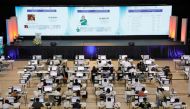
(31, 17)
(83, 20)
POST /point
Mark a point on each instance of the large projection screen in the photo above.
(93, 21)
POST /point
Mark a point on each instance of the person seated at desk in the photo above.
(141, 66)
(162, 96)
(166, 71)
(119, 74)
(65, 73)
(93, 73)
(58, 91)
(177, 104)
(77, 83)
(126, 64)
(55, 83)
(15, 95)
(108, 91)
(48, 61)
(57, 95)
(77, 104)
(109, 103)
(94, 70)
(101, 64)
(145, 104)
(40, 85)
(109, 64)
(6, 105)
(142, 93)
(37, 104)
(135, 84)
(69, 92)
(105, 82)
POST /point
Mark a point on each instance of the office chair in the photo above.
(57, 99)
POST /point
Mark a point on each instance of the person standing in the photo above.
(189, 86)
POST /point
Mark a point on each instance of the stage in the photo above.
(157, 48)
(101, 42)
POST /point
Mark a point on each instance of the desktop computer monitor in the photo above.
(103, 62)
(76, 87)
(22, 81)
(186, 57)
(33, 62)
(38, 57)
(80, 56)
(122, 57)
(48, 88)
(25, 76)
(79, 74)
(49, 81)
(10, 99)
(145, 57)
(172, 99)
(74, 99)
(138, 88)
(80, 68)
(17, 88)
(54, 68)
(57, 57)
(80, 62)
(53, 73)
(166, 81)
(148, 62)
(28, 75)
(103, 57)
(41, 99)
(166, 88)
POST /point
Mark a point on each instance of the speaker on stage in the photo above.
(53, 43)
(131, 44)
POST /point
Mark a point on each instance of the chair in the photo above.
(109, 103)
(57, 99)
(48, 105)
(117, 105)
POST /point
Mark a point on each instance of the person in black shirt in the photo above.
(145, 104)
(77, 104)
(93, 73)
(37, 104)
(77, 83)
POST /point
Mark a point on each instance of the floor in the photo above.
(10, 77)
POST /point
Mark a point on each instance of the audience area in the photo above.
(103, 83)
